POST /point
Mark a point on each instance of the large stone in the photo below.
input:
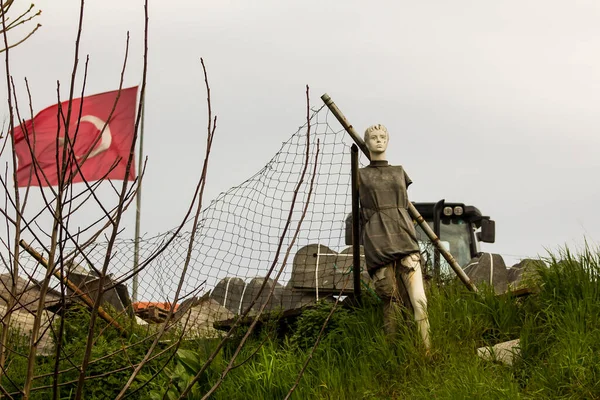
(21, 322)
(490, 269)
(117, 296)
(293, 299)
(27, 294)
(524, 274)
(504, 352)
(196, 318)
(236, 295)
(313, 268)
(25, 308)
(88, 282)
(229, 293)
(318, 268)
(253, 290)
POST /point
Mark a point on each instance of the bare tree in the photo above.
(11, 23)
(61, 243)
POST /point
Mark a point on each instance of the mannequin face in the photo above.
(377, 142)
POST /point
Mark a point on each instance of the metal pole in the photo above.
(411, 207)
(437, 209)
(138, 208)
(355, 225)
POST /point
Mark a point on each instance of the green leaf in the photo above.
(190, 360)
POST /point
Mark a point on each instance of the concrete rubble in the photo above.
(504, 352)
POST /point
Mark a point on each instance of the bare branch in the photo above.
(270, 271)
(22, 40)
(199, 193)
(15, 256)
(317, 342)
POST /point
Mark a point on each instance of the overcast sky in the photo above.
(490, 103)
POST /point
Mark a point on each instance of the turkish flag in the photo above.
(101, 141)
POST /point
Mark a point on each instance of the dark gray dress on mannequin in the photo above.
(387, 228)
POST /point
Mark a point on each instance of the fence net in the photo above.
(239, 234)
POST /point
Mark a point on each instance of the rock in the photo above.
(488, 268)
(253, 290)
(523, 274)
(316, 267)
(504, 352)
(229, 293)
(197, 319)
(21, 323)
(292, 299)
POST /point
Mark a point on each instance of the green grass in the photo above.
(559, 328)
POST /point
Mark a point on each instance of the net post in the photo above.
(355, 225)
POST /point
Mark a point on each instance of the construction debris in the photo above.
(504, 352)
(25, 308)
(199, 315)
(490, 269)
(155, 312)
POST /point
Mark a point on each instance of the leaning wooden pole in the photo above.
(411, 208)
(84, 297)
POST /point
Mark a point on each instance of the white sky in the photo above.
(494, 104)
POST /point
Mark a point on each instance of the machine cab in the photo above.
(460, 228)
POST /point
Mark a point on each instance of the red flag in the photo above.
(104, 137)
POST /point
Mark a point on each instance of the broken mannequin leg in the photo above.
(413, 281)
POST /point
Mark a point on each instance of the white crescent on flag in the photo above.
(106, 139)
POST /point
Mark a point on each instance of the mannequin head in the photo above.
(376, 139)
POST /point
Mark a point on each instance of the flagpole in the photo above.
(138, 208)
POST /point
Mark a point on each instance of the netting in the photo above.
(239, 232)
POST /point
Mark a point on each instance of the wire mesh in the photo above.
(238, 234)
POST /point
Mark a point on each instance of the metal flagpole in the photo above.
(138, 208)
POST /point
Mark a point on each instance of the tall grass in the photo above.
(561, 331)
(559, 328)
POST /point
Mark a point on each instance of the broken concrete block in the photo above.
(523, 274)
(488, 268)
(504, 352)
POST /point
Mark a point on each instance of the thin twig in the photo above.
(117, 220)
(22, 40)
(317, 341)
(290, 246)
(199, 193)
(254, 300)
(15, 256)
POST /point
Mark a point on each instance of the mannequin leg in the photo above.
(386, 286)
(413, 281)
(391, 311)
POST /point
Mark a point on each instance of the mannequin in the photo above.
(390, 242)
